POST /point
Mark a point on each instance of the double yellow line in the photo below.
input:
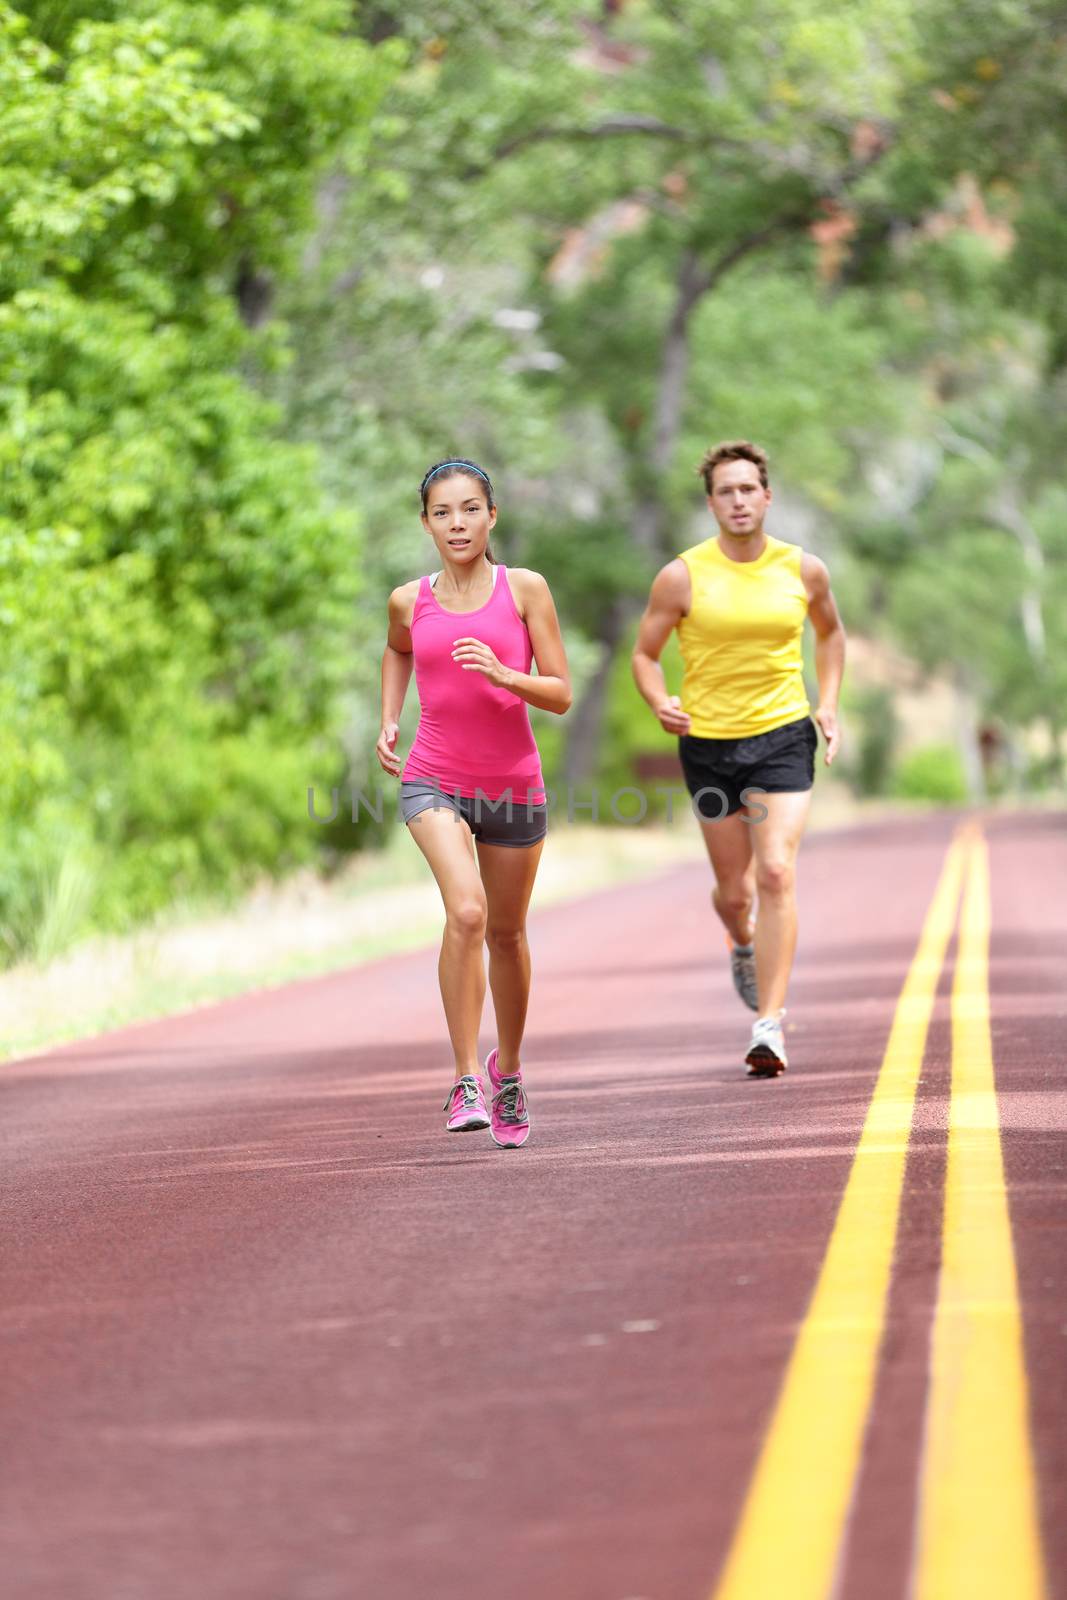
(977, 1536)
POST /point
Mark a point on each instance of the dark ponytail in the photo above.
(457, 467)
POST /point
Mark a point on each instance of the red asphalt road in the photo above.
(269, 1334)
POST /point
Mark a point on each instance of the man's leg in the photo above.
(775, 841)
(729, 846)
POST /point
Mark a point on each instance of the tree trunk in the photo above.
(967, 739)
(586, 722)
(1009, 515)
(254, 292)
(694, 279)
(646, 527)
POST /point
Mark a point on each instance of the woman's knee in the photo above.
(466, 918)
(506, 939)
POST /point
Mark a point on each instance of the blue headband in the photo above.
(466, 466)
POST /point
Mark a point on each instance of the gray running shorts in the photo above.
(504, 821)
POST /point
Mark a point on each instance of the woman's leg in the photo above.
(445, 840)
(775, 842)
(508, 874)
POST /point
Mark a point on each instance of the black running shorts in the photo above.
(717, 771)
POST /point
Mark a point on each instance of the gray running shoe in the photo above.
(743, 969)
(766, 1054)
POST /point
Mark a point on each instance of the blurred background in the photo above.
(263, 264)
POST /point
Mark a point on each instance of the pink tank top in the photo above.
(472, 736)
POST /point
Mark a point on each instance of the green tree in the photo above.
(174, 588)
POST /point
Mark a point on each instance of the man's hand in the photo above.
(671, 715)
(826, 718)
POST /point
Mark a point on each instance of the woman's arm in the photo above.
(550, 688)
(397, 662)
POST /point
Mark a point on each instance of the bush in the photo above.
(871, 766)
(934, 772)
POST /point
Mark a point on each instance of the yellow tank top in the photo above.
(741, 641)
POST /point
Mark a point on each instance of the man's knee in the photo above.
(733, 899)
(776, 878)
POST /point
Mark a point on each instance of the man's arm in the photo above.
(829, 648)
(668, 603)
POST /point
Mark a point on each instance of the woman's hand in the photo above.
(385, 749)
(474, 656)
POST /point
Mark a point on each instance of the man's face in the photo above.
(738, 500)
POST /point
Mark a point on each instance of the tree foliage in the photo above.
(260, 264)
(175, 591)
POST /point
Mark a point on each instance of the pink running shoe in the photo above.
(465, 1105)
(510, 1125)
(495, 1080)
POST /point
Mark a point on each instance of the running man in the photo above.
(473, 775)
(743, 721)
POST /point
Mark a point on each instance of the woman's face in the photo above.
(458, 518)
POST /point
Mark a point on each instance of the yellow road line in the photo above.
(790, 1533)
(978, 1536)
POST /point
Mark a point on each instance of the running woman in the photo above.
(738, 601)
(473, 775)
